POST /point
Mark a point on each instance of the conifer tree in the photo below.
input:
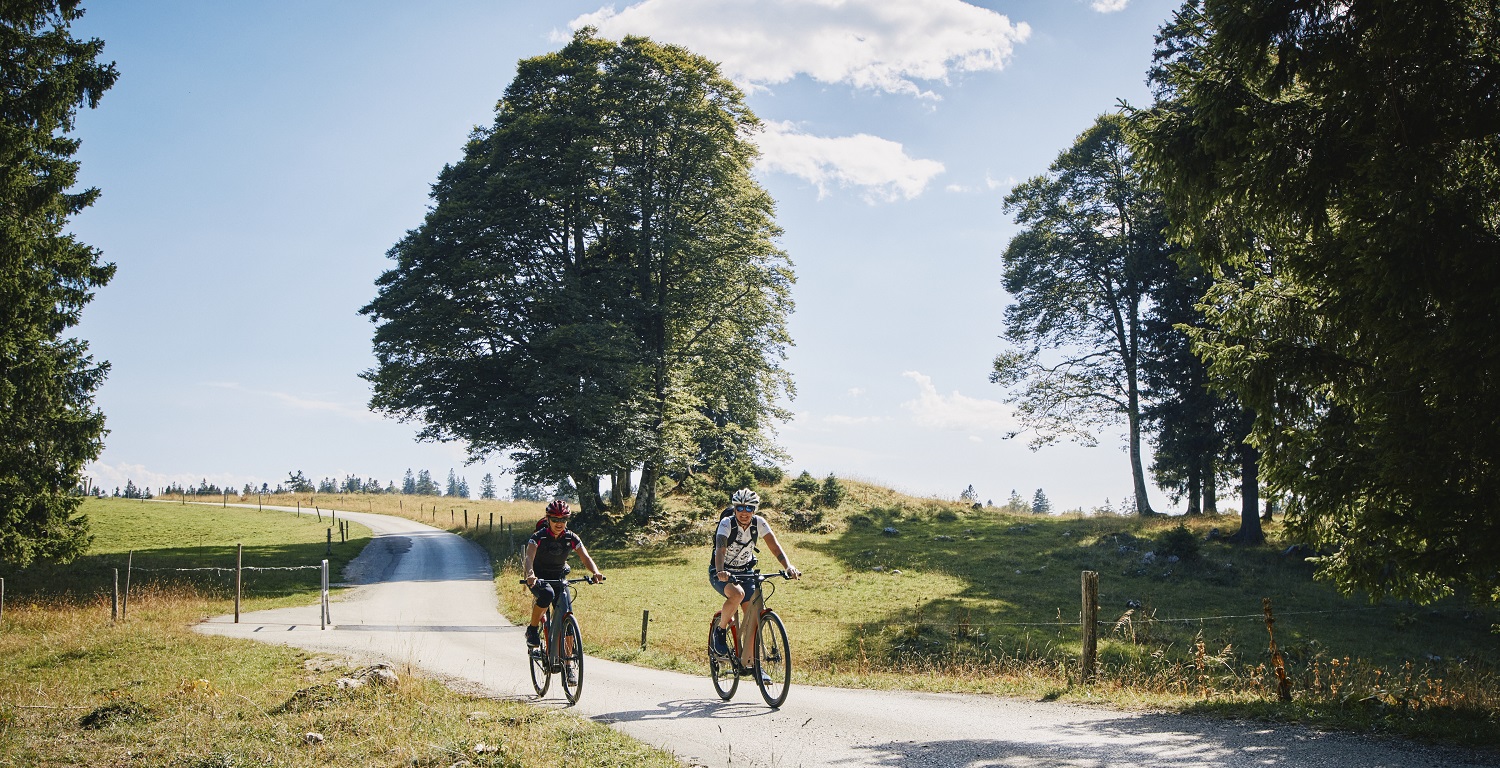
(49, 427)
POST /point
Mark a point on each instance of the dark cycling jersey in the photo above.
(551, 558)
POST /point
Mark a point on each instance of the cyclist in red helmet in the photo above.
(547, 558)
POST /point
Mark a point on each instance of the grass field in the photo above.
(925, 594)
(79, 689)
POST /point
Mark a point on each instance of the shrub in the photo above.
(1177, 541)
(767, 475)
(805, 484)
(833, 492)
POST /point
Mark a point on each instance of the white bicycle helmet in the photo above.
(745, 497)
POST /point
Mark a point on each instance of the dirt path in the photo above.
(428, 600)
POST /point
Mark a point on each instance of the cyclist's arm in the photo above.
(720, 544)
(786, 562)
(588, 562)
(526, 571)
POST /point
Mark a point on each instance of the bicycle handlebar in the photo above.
(757, 576)
(585, 580)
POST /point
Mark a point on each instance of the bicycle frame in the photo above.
(555, 634)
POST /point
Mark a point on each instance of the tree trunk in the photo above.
(1137, 470)
(645, 498)
(1250, 531)
(1210, 487)
(1195, 490)
(590, 504)
(619, 489)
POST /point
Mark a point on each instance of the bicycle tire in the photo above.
(726, 680)
(541, 666)
(571, 658)
(773, 660)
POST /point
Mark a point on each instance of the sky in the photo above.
(257, 161)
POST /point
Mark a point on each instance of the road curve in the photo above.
(427, 599)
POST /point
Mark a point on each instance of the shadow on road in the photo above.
(689, 709)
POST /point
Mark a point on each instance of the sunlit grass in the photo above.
(80, 689)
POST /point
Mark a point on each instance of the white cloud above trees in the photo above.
(873, 44)
(956, 411)
(880, 167)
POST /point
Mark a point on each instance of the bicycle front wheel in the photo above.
(572, 659)
(541, 667)
(720, 668)
(773, 660)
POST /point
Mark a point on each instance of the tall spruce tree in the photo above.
(1350, 147)
(49, 427)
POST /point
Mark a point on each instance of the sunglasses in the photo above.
(551, 519)
(743, 508)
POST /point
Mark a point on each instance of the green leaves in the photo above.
(1334, 164)
(596, 286)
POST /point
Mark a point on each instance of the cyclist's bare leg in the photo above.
(536, 614)
(734, 594)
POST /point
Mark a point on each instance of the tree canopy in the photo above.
(1337, 165)
(1080, 271)
(49, 427)
(596, 287)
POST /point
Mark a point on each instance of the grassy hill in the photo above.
(903, 592)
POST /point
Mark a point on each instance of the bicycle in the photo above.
(772, 669)
(562, 644)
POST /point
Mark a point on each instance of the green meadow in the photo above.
(80, 689)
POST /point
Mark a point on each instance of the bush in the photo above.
(803, 520)
(805, 484)
(1177, 541)
(767, 475)
(833, 493)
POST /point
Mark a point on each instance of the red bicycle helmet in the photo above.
(559, 508)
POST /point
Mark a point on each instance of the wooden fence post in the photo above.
(329, 550)
(1090, 622)
(323, 612)
(645, 620)
(239, 563)
(125, 599)
(466, 519)
(2, 602)
(492, 522)
(1278, 664)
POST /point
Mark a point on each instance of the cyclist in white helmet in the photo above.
(734, 553)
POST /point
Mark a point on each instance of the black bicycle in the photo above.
(772, 669)
(561, 650)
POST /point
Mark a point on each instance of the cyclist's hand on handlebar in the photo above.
(596, 577)
(792, 572)
(530, 579)
(722, 575)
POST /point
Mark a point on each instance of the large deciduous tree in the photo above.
(49, 427)
(1079, 272)
(1357, 146)
(596, 278)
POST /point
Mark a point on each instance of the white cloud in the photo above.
(855, 391)
(850, 421)
(956, 411)
(108, 477)
(879, 166)
(355, 412)
(875, 44)
(1109, 6)
(990, 184)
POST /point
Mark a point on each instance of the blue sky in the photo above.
(258, 160)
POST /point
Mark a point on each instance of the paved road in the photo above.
(428, 600)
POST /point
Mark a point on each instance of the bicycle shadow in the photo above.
(696, 709)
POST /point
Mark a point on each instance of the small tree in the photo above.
(409, 483)
(833, 492)
(296, 482)
(969, 495)
(1039, 503)
(487, 486)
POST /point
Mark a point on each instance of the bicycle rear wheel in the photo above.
(541, 667)
(571, 654)
(720, 668)
(773, 660)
